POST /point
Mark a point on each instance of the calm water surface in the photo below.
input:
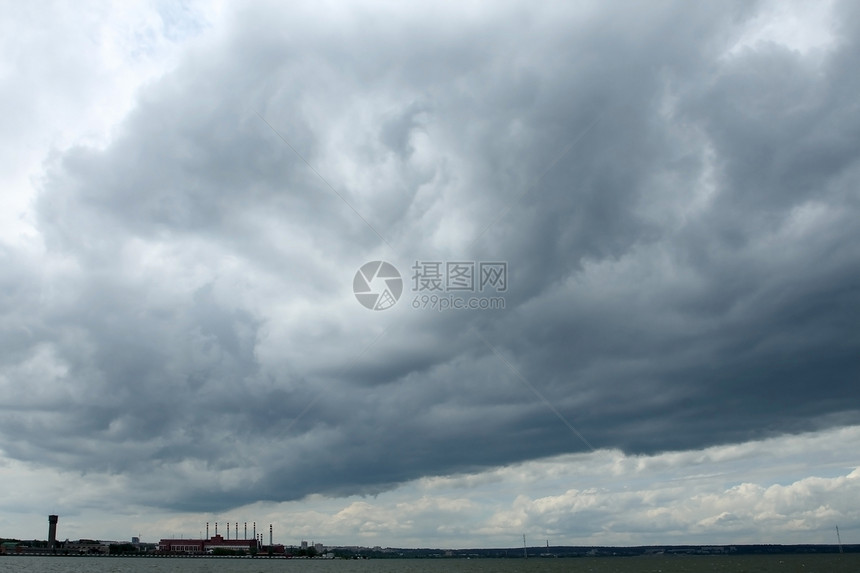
(847, 563)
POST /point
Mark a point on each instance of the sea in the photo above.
(821, 563)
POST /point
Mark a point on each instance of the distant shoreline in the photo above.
(538, 552)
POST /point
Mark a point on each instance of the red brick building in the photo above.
(201, 546)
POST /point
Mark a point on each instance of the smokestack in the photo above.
(237, 530)
(270, 534)
(255, 531)
(228, 530)
(52, 531)
(216, 529)
(246, 531)
(207, 530)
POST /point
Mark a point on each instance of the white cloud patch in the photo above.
(792, 489)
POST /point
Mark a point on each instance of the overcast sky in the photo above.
(672, 190)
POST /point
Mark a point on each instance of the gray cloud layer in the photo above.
(679, 224)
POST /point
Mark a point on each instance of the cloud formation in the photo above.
(674, 196)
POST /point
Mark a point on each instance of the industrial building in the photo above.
(216, 542)
(202, 546)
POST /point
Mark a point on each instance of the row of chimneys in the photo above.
(256, 537)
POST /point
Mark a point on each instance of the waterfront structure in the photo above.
(202, 546)
(52, 531)
(86, 547)
(9, 547)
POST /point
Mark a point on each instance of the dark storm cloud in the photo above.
(678, 224)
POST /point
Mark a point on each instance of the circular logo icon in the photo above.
(377, 285)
